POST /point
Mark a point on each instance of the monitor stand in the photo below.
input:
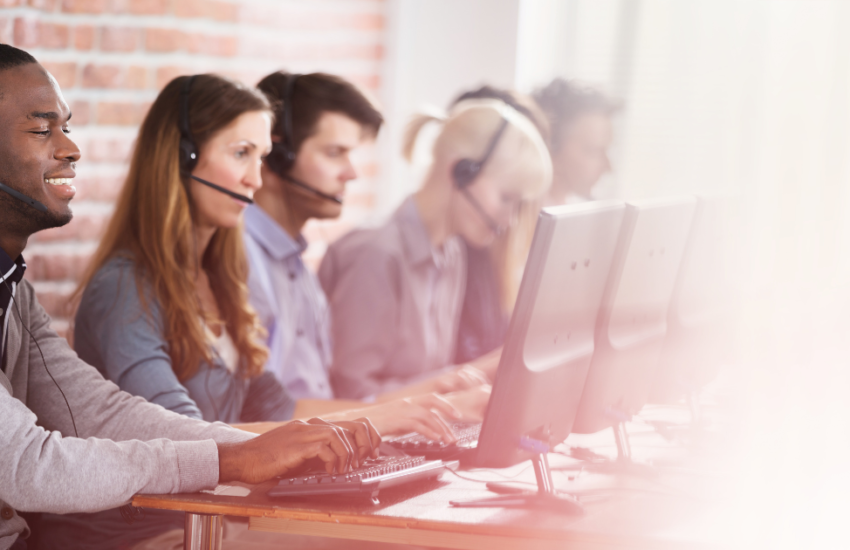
(623, 464)
(545, 496)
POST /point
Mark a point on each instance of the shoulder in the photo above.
(116, 283)
(373, 247)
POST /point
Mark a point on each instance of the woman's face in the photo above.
(489, 205)
(231, 159)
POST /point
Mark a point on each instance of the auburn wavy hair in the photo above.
(152, 225)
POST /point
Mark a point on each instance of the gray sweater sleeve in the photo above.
(125, 445)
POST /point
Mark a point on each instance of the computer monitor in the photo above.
(700, 321)
(550, 340)
(632, 322)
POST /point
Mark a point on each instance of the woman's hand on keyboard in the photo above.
(423, 414)
(471, 403)
(462, 378)
(274, 453)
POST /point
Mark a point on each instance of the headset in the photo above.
(23, 198)
(188, 149)
(466, 170)
(283, 154)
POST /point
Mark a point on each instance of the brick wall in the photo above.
(111, 57)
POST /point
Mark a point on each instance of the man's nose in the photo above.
(67, 150)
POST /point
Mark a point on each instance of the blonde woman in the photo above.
(396, 292)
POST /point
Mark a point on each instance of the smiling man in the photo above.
(69, 440)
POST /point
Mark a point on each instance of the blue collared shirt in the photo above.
(291, 305)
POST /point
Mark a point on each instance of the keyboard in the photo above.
(465, 433)
(373, 475)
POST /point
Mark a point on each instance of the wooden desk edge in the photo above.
(464, 540)
(399, 530)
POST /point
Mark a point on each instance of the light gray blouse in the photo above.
(395, 305)
(127, 344)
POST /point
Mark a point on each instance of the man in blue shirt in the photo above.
(321, 119)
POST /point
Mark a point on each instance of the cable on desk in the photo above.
(503, 476)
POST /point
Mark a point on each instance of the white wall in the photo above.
(435, 50)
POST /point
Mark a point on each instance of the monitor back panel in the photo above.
(633, 321)
(550, 340)
(700, 321)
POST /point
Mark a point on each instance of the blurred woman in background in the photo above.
(396, 291)
(576, 122)
(494, 272)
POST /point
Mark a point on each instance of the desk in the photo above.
(668, 511)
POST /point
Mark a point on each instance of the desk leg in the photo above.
(202, 532)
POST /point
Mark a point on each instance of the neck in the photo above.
(203, 236)
(273, 198)
(12, 241)
(432, 201)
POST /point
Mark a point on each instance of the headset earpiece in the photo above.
(283, 155)
(188, 149)
(465, 171)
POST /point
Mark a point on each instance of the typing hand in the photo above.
(361, 433)
(471, 403)
(489, 363)
(423, 414)
(285, 448)
(462, 378)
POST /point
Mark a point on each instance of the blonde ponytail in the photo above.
(411, 132)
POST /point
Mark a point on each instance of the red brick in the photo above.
(26, 33)
(102, 76)
(84, 37)
(164, 75)
(281, 17)
(56, 304)
(43, 5)
(164, 40)
(365, 22)
(81, 111)
(82, 227)
(54, 36)
(57, 266)
(119, 39)
(30, 33)
(190, 8)
(218, 45)
(119, 113)
(148, 7)
(137, 78)
(64, 73)
(100, 188)
(6, 30)
(113, 76)
(209, 9)
(85, 6)
(107, 150)
(222, 11)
